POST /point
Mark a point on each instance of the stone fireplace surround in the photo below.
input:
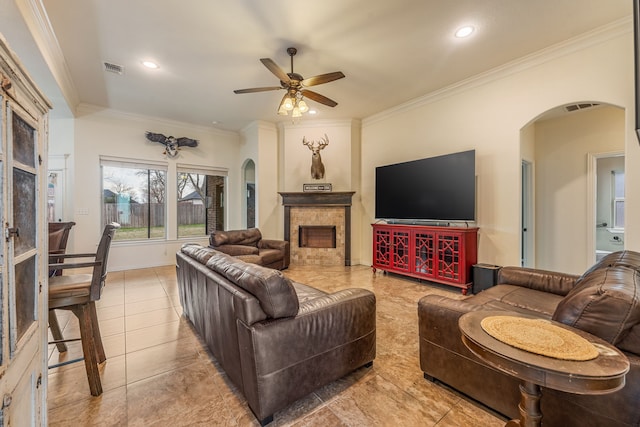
(318, 209)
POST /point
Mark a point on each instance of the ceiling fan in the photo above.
(295, 85)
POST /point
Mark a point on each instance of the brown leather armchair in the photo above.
(251, 247)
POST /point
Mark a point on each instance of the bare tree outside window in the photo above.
(135, 198)
(200, 209)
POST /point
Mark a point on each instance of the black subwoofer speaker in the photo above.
(484, 277)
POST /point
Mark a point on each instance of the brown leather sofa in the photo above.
(251, 247)
(276, 339)
(604, 301)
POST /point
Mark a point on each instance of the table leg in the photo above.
(530, 415)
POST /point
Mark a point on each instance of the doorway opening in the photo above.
(607, 179)
(559, 144)
(249, 199)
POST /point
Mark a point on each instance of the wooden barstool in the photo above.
(78, 293)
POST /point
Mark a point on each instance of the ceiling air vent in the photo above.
(581, 106)
(113, 68)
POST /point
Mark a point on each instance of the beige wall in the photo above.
(260, 143)
(104, 132)
(337, 157)
(487, 114)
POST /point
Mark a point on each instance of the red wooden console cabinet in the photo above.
(439, 254)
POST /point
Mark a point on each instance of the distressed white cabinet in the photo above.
(23, 247)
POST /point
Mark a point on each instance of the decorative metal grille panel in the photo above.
(449, 257)
(425, 253)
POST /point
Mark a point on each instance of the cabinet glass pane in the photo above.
(25, 296)
(425, 253)
(23, 141)
(382, 248)
(24, 210)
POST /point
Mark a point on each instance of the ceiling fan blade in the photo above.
(275, 69)
(257, 89)
(318, 98)
(322, 78)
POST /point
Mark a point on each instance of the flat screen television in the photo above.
(441, 188)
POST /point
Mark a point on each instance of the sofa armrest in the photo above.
(438, 320)
(287, 358)
(539, 280)
(321, 324)
(235, 250)
(280, 245)
(272, 244)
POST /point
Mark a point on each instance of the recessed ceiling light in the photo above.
(150, 64)
(313, 112)
(464, 31)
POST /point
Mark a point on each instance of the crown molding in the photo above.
(259, 125)
(84, 109)
(594, 37)
(37, 21)
(319, 124)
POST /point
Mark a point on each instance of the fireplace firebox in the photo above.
(317, 236)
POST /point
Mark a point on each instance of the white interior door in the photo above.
(526, 219)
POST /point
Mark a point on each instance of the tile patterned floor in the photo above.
(158, 372)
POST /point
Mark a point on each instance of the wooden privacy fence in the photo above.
(137, 214)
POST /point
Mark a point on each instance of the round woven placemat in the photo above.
(539, 336)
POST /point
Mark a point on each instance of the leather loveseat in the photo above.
(276, 339)
(604, 301)
(251, 247)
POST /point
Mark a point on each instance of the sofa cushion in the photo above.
(251, 259)
(270, 256)
(606, 303)
(273, 290)
(518, 299)
(197, 252)
(249, 237)
(238, 250)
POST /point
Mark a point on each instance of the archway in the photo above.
(249, 196)
(557, 146)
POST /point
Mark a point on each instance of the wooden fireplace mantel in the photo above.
(331, 198)
(320, 199)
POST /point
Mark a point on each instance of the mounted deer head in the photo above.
(317, 168)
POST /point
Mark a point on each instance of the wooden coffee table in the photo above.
(604, 374)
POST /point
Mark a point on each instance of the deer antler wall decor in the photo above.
(317, 168)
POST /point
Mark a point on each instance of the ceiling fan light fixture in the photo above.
(296, 112)
(295, 85)
(288, 103)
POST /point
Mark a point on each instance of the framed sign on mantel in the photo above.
(311, 188)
